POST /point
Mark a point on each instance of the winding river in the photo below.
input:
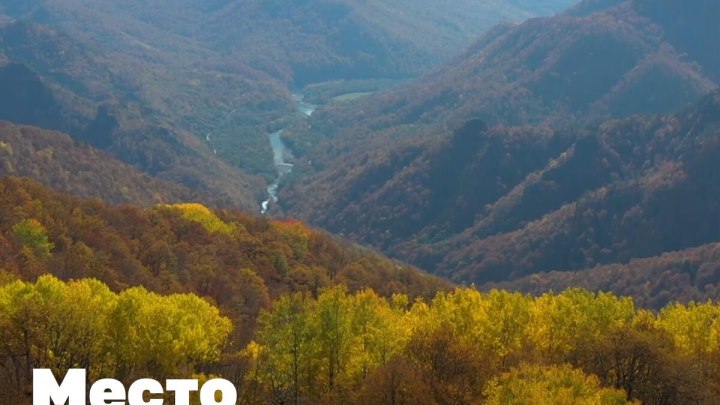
(280, 152)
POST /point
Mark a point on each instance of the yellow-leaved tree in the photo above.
(82, 324)
(551, 385)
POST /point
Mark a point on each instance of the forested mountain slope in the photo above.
(224, 70)
(443, 173)
(237, 260)
(58, 161)
(691, 274)
(573, 68)
(53, 81)
(489, 204)
(303, 42)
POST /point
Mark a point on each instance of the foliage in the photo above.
(239, 261)
(498, 204)
(202, 215)
(82, 324)
(463, 346)
(32, 235)
(470, 347)
(554, 385)
(695, 328)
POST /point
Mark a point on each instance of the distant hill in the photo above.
(300, 41)
(53, 81)
(224, 70)
(599, 60)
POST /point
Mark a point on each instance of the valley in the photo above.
(363, 202)
(434, 172)
(280, 151)
(444, 167)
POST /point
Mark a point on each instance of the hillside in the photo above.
(491, 204)
(224, 70)
(600, 60)
(238, 261)
(687, 275)
(55, 159)
(301, 42)
(654, 193)
(171, 290)
(55, 82)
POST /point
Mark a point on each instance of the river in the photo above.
(280, 152)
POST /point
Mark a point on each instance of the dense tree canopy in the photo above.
(469, 347)
(239, 261)
(82, 324)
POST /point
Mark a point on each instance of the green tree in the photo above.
(284, 353)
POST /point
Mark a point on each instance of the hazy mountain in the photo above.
(223, 70)
(54, 81)
(301, 41)
(622, 58)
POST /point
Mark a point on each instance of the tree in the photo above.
(33, 235)
(177, 332)
(641, 360)
(333, 322)
(453, 370)
(550, 385)
(560, 322)
(36, 247)
(285, 348)
(82, 324)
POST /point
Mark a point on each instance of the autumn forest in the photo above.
(363, 202)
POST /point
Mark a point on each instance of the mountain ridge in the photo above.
(565, 70)
(538, 199)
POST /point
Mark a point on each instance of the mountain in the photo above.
(224, 70)
(57, 160)
(53, 81)
(600, 60)
(303, 42)
(480, 170)
(492, 204)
